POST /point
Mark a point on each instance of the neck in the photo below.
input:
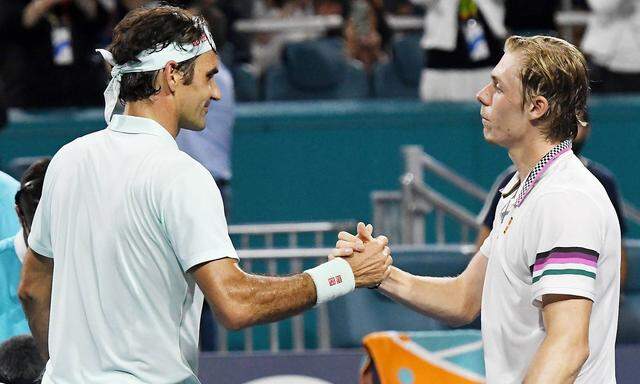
(525, 157)
(162, 114)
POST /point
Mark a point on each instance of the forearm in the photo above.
(263, 299)
(442, 298)
(557, 362)
(35, 295)
(37, 311)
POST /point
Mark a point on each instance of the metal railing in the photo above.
(565, 19)
(293, 255)
(402, 214)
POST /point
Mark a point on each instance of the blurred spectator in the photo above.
(612, 43)
(367, 33)
(604, 176)
(399, 7)
(3, 106)
(124, 6)
(239, 43)
(8, 220)
(12, 249)
(529, 18)
(266, 48)
(462, 42)
(331, 7)
(20, 362)
(48, 49)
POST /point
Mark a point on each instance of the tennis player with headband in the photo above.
(130, 231)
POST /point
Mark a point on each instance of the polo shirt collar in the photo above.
(538, 171)
(140, 125)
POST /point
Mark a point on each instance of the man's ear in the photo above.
(170, 77)
(537, 107)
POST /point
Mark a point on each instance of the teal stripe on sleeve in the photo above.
(565, 272)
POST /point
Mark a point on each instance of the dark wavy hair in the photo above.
(152, 29)
(31, 183)
(20, 362)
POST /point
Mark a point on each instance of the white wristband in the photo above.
(332, 279)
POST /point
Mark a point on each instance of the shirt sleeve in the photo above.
(192, 213)
(564, 245)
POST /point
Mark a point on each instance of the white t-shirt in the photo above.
(557, 233)
(125, 214)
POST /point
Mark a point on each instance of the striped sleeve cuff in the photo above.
(572, 269)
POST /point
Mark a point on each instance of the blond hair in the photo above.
(556, 70)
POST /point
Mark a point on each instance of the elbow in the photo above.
(462, 318)
(582, 354)
(234, 319)
(578, 346)
(26, 291)
(468, 308)
(234, 324)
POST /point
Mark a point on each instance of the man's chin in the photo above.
(193, 126)
(487, 135)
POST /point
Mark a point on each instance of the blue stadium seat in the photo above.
(629, 318)
(245, 83)
(364, 311)
(400, 76)
(316, 69)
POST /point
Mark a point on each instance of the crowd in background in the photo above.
(49, 58)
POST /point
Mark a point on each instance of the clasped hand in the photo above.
(369, 257)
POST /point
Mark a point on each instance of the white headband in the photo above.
(151, 60)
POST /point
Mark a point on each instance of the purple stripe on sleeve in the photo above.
(564, 260)
(567, 255)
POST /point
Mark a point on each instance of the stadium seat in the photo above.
(316, 69)
(364, 311)
(629, 317)
(400, 76)
(245, 83)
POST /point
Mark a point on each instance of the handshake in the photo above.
(369, 257)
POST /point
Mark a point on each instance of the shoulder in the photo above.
(7, 248)
(8, 183)
(178, 167)
(75, 149)
(569, 203)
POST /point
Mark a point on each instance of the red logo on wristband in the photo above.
(335, 280)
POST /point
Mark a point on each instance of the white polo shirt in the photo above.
(125, 214)
(556, 233)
